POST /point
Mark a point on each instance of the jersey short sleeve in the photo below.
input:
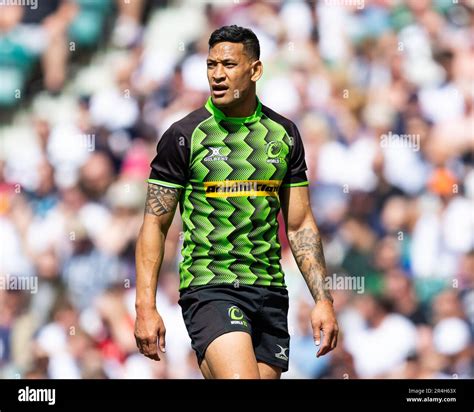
(296, 174)
(169, 167)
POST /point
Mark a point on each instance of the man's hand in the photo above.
(324, 319)
(150, 333)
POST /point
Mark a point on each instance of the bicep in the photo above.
(295, 206)
(160, 205)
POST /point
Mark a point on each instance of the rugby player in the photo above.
(231, 165)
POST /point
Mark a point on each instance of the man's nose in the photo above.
(218, 73)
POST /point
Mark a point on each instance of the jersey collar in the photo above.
(219, 115)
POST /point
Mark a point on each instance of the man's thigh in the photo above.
(231, 356)
(267, 371)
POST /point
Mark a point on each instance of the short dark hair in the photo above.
(237, 34)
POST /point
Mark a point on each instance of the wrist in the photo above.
(145, 306)
(325, 300)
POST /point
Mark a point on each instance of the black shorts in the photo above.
(211, 311)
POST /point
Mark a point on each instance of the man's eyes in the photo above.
(211, 65)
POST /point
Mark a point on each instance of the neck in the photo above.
(241, 108)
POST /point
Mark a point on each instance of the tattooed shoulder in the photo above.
(161, 200)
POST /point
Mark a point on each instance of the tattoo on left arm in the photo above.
(308, 251)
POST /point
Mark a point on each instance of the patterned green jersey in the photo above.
(230, 171)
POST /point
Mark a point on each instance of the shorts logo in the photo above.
(215, 155)
(236, 316)
(282, 354)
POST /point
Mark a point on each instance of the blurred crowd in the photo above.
(382, 93)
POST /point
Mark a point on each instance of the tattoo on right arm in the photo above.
(161, 200)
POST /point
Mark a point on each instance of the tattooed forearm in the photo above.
(161, 200)
(308, 251)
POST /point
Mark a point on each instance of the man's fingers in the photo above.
(317, 333)
(149, 348)
(334, 339)
(326, 345)
(161, 338)
(330, 341)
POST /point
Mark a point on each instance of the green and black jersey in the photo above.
(230, 171)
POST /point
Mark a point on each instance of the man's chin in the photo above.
(223, 101)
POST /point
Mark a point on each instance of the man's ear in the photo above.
(256, 70)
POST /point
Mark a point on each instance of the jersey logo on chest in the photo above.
(273, 151)
(215, 155)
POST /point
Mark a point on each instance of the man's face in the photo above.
(230, 72)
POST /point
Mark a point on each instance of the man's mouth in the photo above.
(219, 90)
